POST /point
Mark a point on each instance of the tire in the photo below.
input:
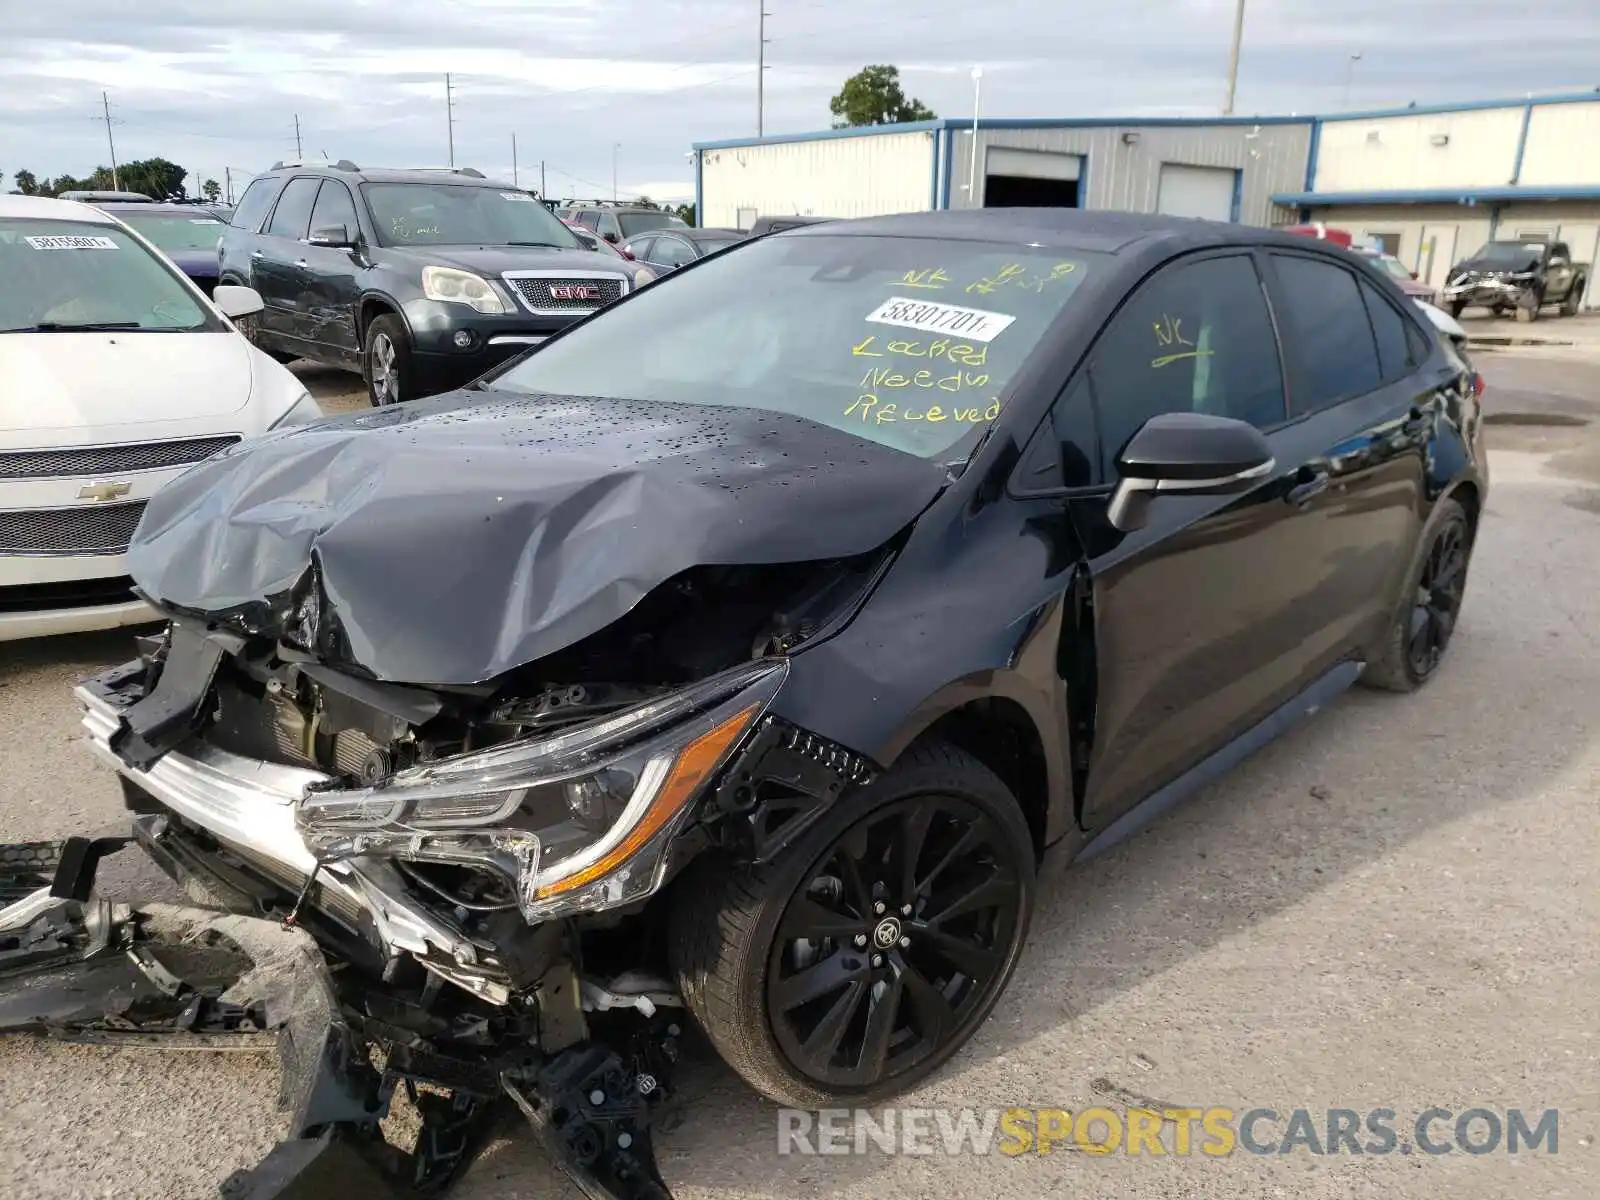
(1528, 308)
(1457, 307)
(1569, 304)
(737, 956)
(386, 361)
(1430, 608)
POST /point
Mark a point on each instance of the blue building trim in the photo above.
(1311, 155)
(1422, 110)
(699, 200)
(1238, 195)
(1522, 143)
(933, 171)
(1083, 181)
(823, 135)
(1467, 196)
(949, 165)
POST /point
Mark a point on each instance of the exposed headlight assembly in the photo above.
(455, 286)
(579, 820)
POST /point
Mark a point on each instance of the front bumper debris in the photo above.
(84, 970)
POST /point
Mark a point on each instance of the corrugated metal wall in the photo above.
(830, 177)
(1563, 145)
(1475, 148)
(1128, 176)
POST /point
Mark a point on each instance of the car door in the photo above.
(330, 290)
(275, 269)
(1208, 617)
(639, 247)
(1362, 399)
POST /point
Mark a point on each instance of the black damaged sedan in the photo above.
(755, 671)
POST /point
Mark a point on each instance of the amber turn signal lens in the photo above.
(694, 765)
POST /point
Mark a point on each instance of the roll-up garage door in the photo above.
(1205, 192)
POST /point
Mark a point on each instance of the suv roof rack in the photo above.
(343, 164)
(471, 172)
(578, 203)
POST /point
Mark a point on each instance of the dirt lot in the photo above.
(1396, 906)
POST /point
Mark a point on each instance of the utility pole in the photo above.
(542, 192)
(227, 185)
(1233, 58)
(298, 152)
(615, 146)
(105, 108)
(1350, 77)
(514, 181)
(761, 67)
(450, 116)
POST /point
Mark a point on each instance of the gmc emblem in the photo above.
(574, 291)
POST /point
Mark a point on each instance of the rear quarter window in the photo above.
(254, 205)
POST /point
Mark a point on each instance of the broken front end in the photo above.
(470, 882)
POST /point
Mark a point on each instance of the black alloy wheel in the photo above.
(1438, 599)
(897, 935)
(854, 964)
(1420, 632)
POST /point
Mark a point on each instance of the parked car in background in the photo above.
(1403, 276)
(668, 249)
(420, 279)
(619, 222)
(762, 226)
(107, 197)
(116, 375)
(1520, 276)
(186, 233)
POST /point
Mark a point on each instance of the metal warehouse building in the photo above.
(1431, 183)
(1435, 183)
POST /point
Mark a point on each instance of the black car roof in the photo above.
(705, 232)
(1063, 228)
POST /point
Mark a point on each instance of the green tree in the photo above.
(26, 183)
(155, 177)
(873, 96)
(686, 213)
(211, 190)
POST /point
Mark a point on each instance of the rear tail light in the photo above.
(1477, 385)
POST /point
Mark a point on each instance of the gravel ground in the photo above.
(1395, 906)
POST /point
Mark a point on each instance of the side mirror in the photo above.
(1558, 261)
(611, 237)
(1195, 453)
(334, 237)
(236, 302)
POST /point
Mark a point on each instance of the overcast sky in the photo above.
(215, 83)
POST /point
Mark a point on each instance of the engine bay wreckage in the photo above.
(450, 695)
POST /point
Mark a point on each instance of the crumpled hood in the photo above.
(1476, 268)
(458, 537)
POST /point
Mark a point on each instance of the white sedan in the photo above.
(116, 375)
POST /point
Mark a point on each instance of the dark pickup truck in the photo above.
(1521, 276)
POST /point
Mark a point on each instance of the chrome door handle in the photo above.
(299, 262)
(257, 254)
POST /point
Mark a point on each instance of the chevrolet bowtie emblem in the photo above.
(104, 491)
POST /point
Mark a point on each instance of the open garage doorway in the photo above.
(1030, 179)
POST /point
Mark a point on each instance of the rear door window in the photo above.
(1395, 348)
(1328, 339)
(292, 217)
(671, 252)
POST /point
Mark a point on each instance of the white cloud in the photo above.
(214, 83)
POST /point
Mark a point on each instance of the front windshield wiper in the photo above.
(546, 245)
(74, 327)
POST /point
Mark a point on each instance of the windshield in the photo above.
(910, 342)
(185, 231)
(1515, 256)
(634, 223)
(445, 214)
(61, 276)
